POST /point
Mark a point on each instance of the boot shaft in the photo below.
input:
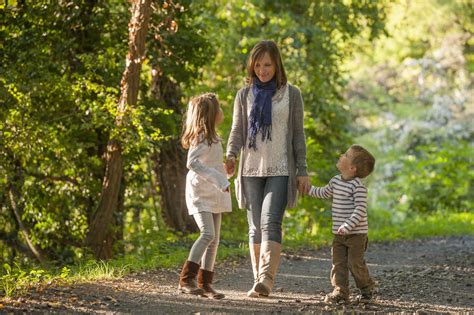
(270, 254)
(255, 258)
(189, 271)
(205, 278)
(187, 279)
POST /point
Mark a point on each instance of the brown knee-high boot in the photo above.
(187, 279)
(270, 253)
(255, 258)
(204, 282)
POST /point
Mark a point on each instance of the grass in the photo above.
(16, 280)
(437, 224)
(383, 228)
(92, 270)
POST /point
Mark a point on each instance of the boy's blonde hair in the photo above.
(200, 121)
(362, 160)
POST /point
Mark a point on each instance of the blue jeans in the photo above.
(267, 198)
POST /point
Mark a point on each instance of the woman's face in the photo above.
(265, 68)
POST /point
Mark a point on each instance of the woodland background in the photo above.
(394, 76)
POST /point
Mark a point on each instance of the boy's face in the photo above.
(345, 166)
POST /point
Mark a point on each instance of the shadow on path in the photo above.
(428, 275)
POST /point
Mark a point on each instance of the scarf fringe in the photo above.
(266, 131)
(260, 118)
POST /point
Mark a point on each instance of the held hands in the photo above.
(342, 230)
(229, 166)
(303, 184)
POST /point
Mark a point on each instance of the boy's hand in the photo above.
(341, 230)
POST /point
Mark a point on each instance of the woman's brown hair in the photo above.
(200, 122)
(270, 47)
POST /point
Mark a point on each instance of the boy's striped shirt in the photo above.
(349, 203)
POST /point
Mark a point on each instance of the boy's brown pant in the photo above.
(348, 254)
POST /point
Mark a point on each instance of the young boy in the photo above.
(349, 217)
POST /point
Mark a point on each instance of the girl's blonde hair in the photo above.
(200, 121)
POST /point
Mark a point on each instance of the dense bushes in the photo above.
(436, 178)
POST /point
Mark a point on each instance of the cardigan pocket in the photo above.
(237, 188)
(238, 193)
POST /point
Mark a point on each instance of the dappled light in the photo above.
(95, 179)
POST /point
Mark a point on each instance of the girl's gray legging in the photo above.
(267, 198)
(204, 249)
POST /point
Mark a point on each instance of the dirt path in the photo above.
(424, 276)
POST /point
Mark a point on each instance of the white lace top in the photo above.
(270, 159)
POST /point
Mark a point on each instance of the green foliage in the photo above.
(58, 108)
(436, 179)
(411, 99)
(61, 65)
(16, 281)
(57, 111)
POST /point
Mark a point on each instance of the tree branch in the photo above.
(52, 178)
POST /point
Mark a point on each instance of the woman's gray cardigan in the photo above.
(296, 142)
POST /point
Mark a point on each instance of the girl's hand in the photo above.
(341, 230)
(229, 166)
(303, 184)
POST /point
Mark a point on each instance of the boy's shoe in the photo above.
(332, 298)
(364, 298)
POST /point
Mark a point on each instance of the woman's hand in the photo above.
(229, 166)
(303, 184)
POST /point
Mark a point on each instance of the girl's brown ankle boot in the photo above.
(187, 279)
(205, 281)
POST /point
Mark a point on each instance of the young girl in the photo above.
(207, 192)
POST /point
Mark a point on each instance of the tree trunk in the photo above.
(100, 238)
(119, 220)
(169, 164)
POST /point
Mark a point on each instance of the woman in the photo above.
(267, 131)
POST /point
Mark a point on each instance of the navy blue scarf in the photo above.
(260, 119)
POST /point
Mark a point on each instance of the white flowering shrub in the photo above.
(418, 117)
